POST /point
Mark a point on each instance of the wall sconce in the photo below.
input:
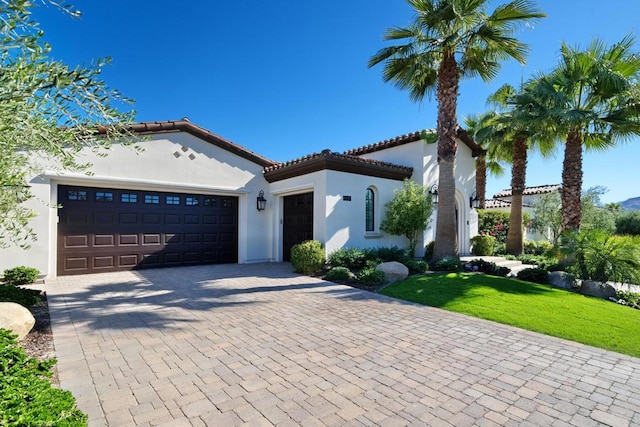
(261, 202)
(474, 201)
(434, 193)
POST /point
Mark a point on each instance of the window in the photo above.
(129, 198)
(369, 210)
(76, 195)
(152, 199)
(173, 200)
(227, 203)
(104, 196)
(210, 201)
(191, 201)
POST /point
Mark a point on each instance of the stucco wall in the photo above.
(174, 161)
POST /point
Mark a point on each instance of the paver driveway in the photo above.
(258, 345)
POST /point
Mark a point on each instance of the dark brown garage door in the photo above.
(102, 229)
(298, 222)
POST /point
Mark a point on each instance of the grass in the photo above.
(531, 306)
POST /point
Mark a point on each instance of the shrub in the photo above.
(428, 250)
(387, 254)
(22, 275)
(536, 275)
(448, 264)
(483, 245)
(370, 276)
(494, 223)
(416, 267)
(307, 257)
(27, 397)
(628, 223)
(491, 268)
(532, 247)
(338, 273)
(500, 249)
(629, 298)
(24, 297)
(351, 258)
(600, 256)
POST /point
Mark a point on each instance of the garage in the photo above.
(106, 229)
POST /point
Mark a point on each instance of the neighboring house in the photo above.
(502, 201)
(191, 197)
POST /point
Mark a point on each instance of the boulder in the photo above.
(563, 280)
(597, 289)
(16, 318)
(393, 271)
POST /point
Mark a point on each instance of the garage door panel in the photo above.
(111, 229)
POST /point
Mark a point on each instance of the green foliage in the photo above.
(483, 245)
(547, 215)
(409, 213)
(600, 256)
(49, 112)
(27, 397)
(21, 275)
(491, 268)
(630, 298)
(338, 274)
(500, 249)
(594, 215)
(535, 275)
(416, 266)
(628, 223)
(371, 277)
(24, 297)
(493, 223)
(532, 247)
(428, 250)
(350, 258)
(307, 257)
(448, 264)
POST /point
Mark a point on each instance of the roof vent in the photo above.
(186, 119)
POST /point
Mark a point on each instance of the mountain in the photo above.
(631, 204)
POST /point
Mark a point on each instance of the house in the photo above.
(193, 197)
(502, 202)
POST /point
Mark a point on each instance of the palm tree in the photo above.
(495, 153)
(592, 100)
(447, 41)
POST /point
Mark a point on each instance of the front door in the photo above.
(298, 222)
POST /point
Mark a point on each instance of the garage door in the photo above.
(103, 229)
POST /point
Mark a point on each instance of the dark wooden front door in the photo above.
(103, 229)
(298, 222)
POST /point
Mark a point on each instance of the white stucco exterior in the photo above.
(185, 162)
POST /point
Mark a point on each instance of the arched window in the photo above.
(369, 210)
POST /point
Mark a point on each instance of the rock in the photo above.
(393, 271)
(16, 318)
(597, 289)
(563, 280)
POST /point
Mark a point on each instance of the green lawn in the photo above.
(531, 306)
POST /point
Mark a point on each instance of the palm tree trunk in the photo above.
(446, 244)
(481, 179)
(515, 242)
(572, 182)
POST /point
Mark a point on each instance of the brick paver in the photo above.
(257, 345)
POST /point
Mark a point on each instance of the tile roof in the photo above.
(494, 204)
(338, 162)
(185, 125)
(529, 191)
(412, 137)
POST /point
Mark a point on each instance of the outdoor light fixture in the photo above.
(261, 202)
(434, 193)
(474, 201)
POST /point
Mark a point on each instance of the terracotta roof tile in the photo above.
(529, 191)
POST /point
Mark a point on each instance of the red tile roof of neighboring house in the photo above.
(529, 191)
(496, 204)
(412, 137)
(186, 126)
(338, 162)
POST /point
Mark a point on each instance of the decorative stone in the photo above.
(597, 289)
(393, 271)
(563, 280)
(16, 318)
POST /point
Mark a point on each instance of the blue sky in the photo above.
(289, 78)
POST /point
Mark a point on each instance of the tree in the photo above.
(408, 213)
(447, 41)
(595, 216)
(48, 111)
(592, 100)
(547, 216)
